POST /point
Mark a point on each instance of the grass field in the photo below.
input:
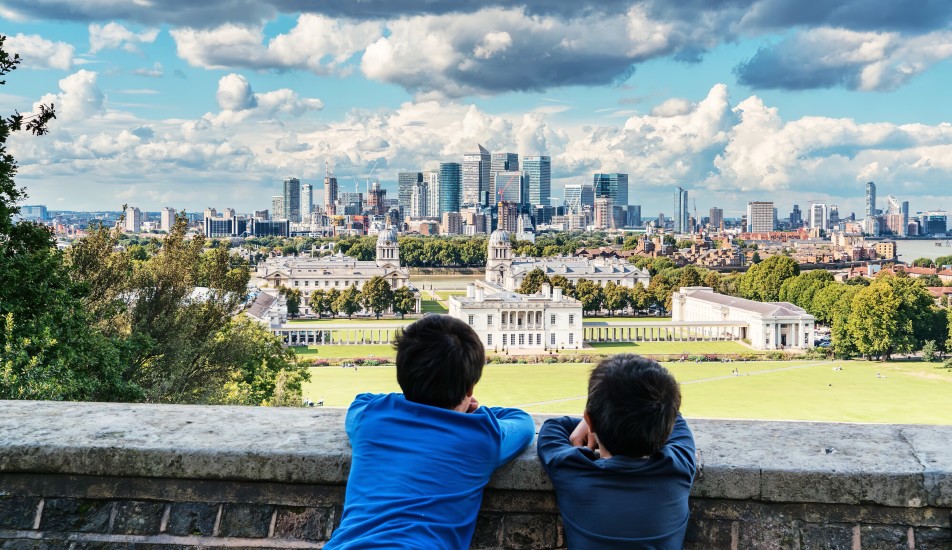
(629, 319)
(345, 352)
(909, 393)
(432, 306)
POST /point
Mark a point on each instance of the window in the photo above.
(571, 319)
(336, 283)
(552, 319)
(489, 321)
(504, 340)
(538, 339)
(306, 283)
(471, 319)
(522, 339)
(296, 283)
(489, 339)
(571, 338)
(552, 339)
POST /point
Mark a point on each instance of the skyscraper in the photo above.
(292, 199)
(432, 181)
(133, 221)
(717, 216)
(405, 183)
(760, 217)
(451, 182)
(376, 199)
(510, 187)
(330, 192)
(419, 195)
(681, 213)
(614, 186)
(167, 219)
(870, 199)
(796, 217)
(307, 202)
(476, 169)
(578, 196)
(539, 169)
(819, 216)
(277, 207)
(500, 162)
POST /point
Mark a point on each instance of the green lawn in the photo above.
(432, 306)
(618, 319)
(344, 352)
(794, 390)
(445, 294)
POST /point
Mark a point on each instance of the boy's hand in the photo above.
(582, 436)
(473, 405)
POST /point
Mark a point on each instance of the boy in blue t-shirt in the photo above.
(634, 492)
(420, 459)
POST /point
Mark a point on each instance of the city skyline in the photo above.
(191, 106)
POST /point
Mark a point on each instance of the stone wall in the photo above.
(75, 475)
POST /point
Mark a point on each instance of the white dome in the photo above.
(387, 236)
(499, 237)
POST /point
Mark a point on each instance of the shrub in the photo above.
(929, 351)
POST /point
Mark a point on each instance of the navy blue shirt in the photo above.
(417, 473)
(619, 502)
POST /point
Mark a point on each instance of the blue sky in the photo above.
(190, 105)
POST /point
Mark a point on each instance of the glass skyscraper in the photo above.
(539, 170)
(476, 169)
(614, 186)
(500, 162)
(292, 199)
(451, 184)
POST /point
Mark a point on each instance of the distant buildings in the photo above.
(133, 221)
(166, 219)
(818, 216)
(450, 183)
(579, 197)
(330, 192)
(307, 202)
(681, 212)
(476, 175)
(405, 183)
(539, 170)
(511, 187)
(292, 199)
(277, 207)
(760, 217)
(716, 217)
(34, 212)
(614, 186)
(500, 162)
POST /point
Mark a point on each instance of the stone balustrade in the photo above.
(92, 475)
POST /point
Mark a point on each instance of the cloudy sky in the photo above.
(191, 104)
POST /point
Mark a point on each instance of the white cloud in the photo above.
(113, 35)
(155, 72)
(79, 98)
(40, 53)
(235, 94)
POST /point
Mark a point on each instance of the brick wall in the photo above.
(142, 476)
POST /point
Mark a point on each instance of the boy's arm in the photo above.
(681, 443)
(353, 412)
(516, 431)
(554, 438)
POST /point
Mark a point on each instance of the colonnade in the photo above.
(341, 335)
(656, 332)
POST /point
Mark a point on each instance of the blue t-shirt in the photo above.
(417, 472)
(619, 502)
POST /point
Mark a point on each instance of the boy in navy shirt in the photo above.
(420, 459)
(634, 492)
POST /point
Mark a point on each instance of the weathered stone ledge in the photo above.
(278, 474)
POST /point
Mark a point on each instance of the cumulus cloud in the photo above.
(113, 35)
(40, 53)
(79, 97)
(823, 58)
(316, 43)
(235, 94)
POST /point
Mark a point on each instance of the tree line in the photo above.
(376, 297)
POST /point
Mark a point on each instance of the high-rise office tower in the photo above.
(681, 213)
(277, 207)
(634, 215)
(760, 217)
(292, 199)
(819, 216)
(796, 217)
(451, 182)
(614, 186)
(717, 216)
(510, 187)
(904, 210)
(539, 169)
(870, 199)
(405, 183)
(167, 219)
(376, 199)
(432, 181)
(833, 215)
(330, 191)
(579, 196)
(419, 196)
(500, 162)
(476, 169)
(307, 202)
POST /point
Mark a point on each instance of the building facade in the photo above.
(476, 174)
(330, 192)
(539, 170)
(614, 186)
(292, 199)
(405, 183)
(760, 217)
(505, 320)
(579, 196)
(770, 325)
(307, 202)
(166, 219)
(500, 162)
(511, 187)
(451, 182)
(133, 221)
(681, 212)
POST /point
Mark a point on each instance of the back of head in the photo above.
(633, 403)
(439, 360)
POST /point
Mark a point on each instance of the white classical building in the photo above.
(506, 320)
(504, 270)
(770, 325)
(338, 271)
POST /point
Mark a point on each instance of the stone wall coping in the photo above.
(884, 464)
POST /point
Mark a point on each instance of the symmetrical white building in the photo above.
(504, 270)
(770, 325)
(338, 271)
(505, 320)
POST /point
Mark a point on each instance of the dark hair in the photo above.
(633, 403)
(439, 359)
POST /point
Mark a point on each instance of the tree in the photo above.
(615, 297)
(590, 294)
(755, 258)
(840, 336)
(533, 281)
(349, 301)
(292, 296)
(638, 297)
(891, 315)
(377, 295)
(922, 262)
(403, 300)
(562, 282)
(712, 280)
(331, 302)
(762, 281)
(661, 290)
(318, 302)
(930, 279)
(857, 281)
(689, 275)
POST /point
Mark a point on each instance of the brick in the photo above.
(138, 518)
(933, 539)
(488, 533)
(708, 534)
(827, 537)
(245, 520)
(192, 518)
(884, 537)
(25, 545)
(76, 515)
(530, 532)
(768, 535)
(304, 523)
(17, 512)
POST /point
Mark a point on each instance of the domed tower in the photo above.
(388, 251)
(498, 257)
